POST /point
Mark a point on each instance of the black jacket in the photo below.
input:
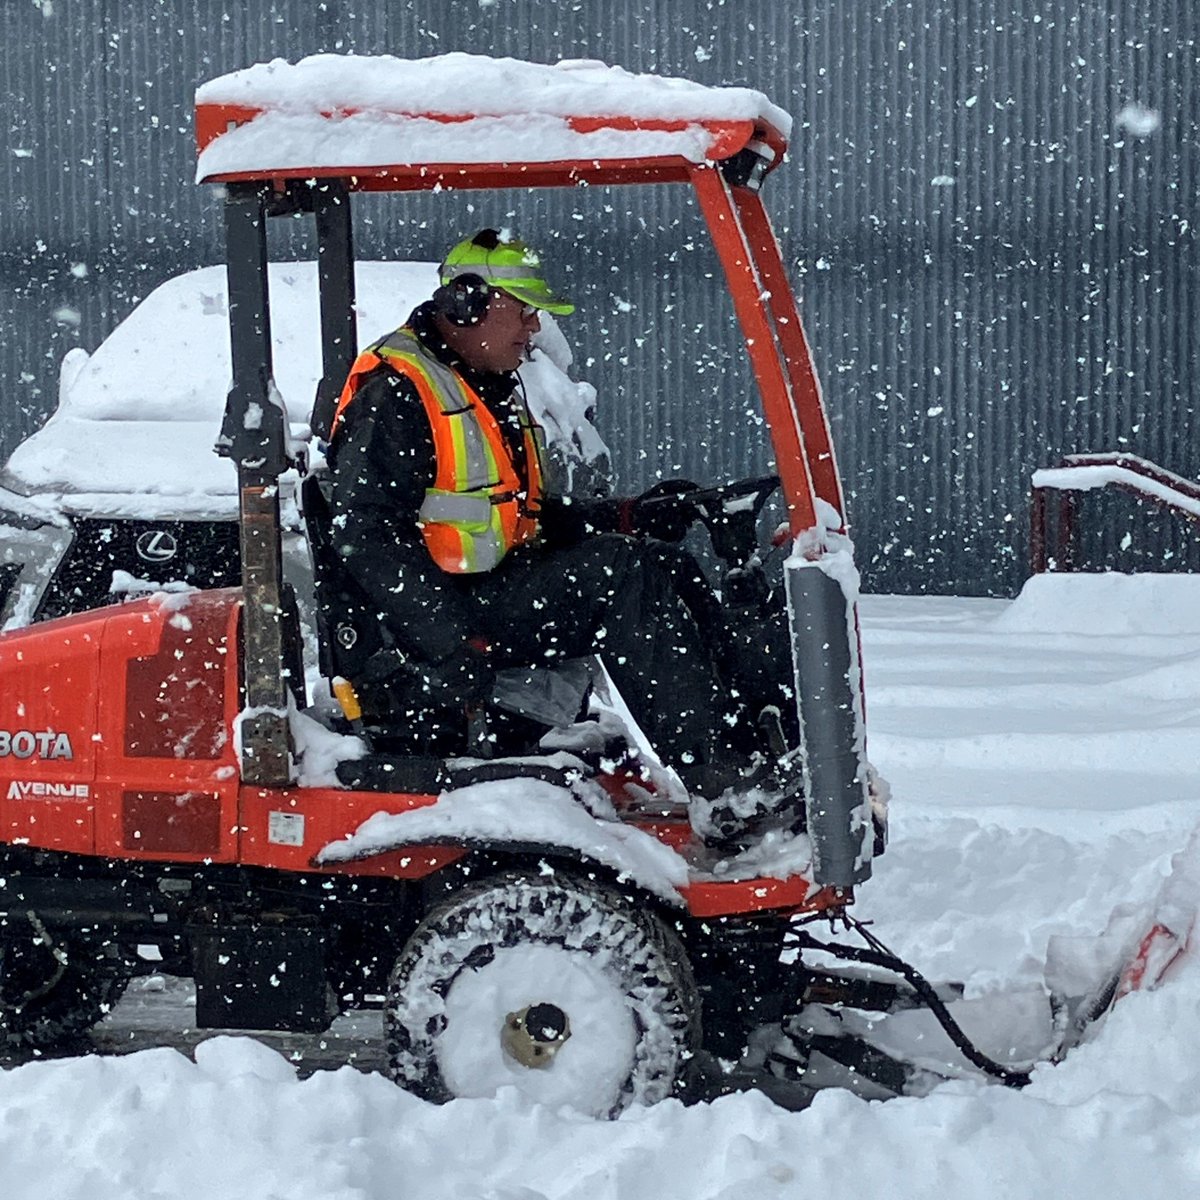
(382, 461)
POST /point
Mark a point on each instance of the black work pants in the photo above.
(614, 596)
(750, 644)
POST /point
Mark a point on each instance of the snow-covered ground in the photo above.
(1043, 758)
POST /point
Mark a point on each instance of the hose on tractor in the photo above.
(876, 954)
(48, 985)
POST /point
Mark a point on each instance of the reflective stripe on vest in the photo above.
(474, 513)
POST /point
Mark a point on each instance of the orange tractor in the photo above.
(538, 917)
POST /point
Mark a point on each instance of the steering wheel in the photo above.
(730, 513)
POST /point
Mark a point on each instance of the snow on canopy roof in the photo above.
(330, 112)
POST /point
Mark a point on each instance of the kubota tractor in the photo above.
(533, 914)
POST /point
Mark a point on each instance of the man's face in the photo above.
(501, 340)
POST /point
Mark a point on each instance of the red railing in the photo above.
(1080, 473)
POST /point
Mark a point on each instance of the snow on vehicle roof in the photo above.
(340, 112)
(136, 421)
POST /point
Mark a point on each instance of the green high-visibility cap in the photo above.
(509, 266)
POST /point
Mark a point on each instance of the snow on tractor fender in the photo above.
(537, 816)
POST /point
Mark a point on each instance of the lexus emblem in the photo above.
(156, 546)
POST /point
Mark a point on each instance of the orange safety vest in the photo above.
(476, 511)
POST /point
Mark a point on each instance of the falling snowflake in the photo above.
(1137, 120)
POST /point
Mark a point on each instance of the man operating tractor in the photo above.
(441, 518)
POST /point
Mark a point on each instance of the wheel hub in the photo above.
(533, 1035)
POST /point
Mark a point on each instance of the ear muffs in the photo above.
(464, 300)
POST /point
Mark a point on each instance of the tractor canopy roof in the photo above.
(406, 124)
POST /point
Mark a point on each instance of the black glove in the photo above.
(665, 511)
(464, 679)
(565, 521)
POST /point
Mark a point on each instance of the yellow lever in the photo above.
(347, 697)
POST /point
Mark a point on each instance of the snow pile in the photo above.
(173, 595)
(332, 111)
(470, 84)
(1107, 605)
(778, 854)
(319, 750)
(136, 421)
(25, 512)
(283, 143)
(1121, 1119)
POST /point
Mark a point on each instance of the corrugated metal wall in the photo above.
(994, 268)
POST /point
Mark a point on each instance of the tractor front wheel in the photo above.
(556, 985)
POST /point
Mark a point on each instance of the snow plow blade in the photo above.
(1140, 955)
(829, 1041)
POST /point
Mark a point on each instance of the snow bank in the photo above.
(1122, 1119)
(1028, 714)
(1108, 604)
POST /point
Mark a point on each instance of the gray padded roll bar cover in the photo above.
(829, 699)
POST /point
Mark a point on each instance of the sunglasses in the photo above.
(527, 310)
